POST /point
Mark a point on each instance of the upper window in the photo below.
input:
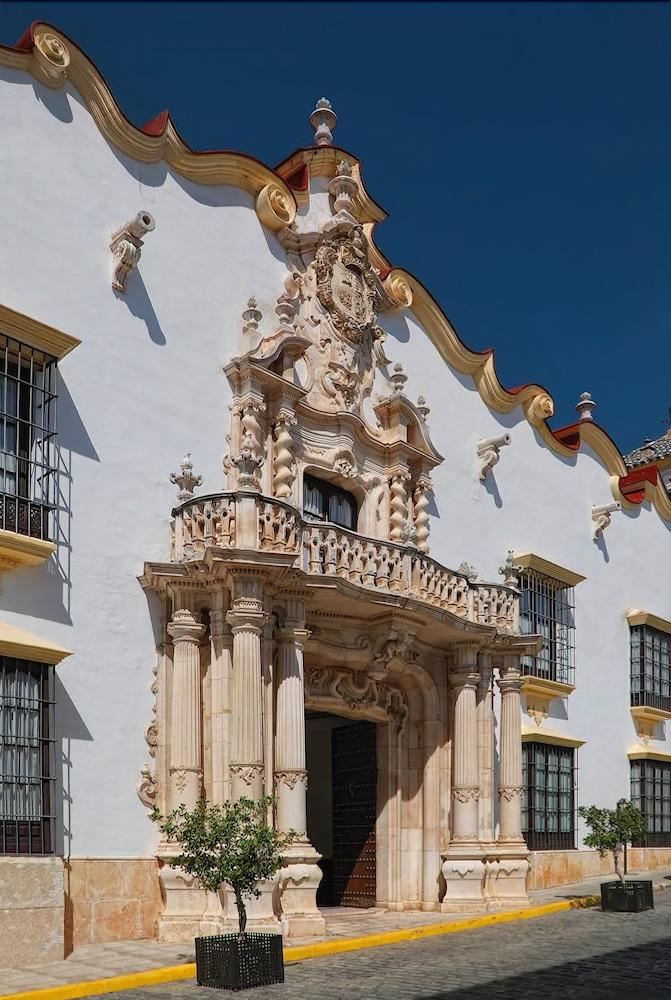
(547, 609)
(548, 804)
(650, 667)
(327, 502)
(27, 438)
(26, 757)
(651, 792)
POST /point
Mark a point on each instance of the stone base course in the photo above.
(550, 868)
(31, 911)
(110, 900)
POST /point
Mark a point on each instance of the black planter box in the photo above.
(627, 897)
(239, 961)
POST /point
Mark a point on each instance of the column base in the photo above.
(506, 876)
(464, 874)
(185, 908)
(299, 880)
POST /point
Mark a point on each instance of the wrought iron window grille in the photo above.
(28, 479)
(27, 778)
(651, 792)
(549, 796)
(650, 667)
(547, 608)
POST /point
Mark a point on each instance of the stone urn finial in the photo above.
(323, 120)
(585, 406)
(185, 479)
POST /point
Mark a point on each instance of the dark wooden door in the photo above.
(354, 775)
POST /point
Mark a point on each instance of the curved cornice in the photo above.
(52, 58)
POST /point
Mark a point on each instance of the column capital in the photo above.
(246, 622)
(510, 792)
(290, 636)
(185, 627)
(510, 682)
(463, 679)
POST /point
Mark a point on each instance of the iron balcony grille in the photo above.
(26, 757)
(650, 667)
(27, 439)
(548, 802)
(547, 609)
(651, 792)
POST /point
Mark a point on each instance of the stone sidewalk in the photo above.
(101, 961)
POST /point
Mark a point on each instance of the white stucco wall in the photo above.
(146, 385)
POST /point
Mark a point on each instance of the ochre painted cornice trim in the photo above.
(36, 334)
(637, 617)
(25, 646)
(646, 753)
(529, 560)
(545, 736)
(158, 140)
(21, 550)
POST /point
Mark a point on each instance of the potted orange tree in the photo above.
(610, 832)
(230, 844)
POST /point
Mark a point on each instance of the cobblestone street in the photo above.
(578, 954)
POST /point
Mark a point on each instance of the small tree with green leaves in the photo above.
(612, 829)
(228, 844)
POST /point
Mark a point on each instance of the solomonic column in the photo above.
(463, 867)
(300, 875)
(186, 766)
(507, 880)
(247, 620)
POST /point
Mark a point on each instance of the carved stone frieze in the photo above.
(466, 793)
(357, 690)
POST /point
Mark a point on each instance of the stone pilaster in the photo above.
(463, 867)
(300, 875)
(186, 765)
(221, 640)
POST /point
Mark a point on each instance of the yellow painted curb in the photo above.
(175, 973)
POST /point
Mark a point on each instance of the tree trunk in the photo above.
(617, 854)
(242, 912)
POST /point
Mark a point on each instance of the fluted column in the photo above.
(485, 711)
(290, 772)
(465, 776)
(510, 782)
(186, 766)
(222, 644)
(247, 620)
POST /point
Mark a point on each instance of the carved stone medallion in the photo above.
(346, 284)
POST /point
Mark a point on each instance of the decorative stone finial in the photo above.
(252, 317)
(323, 119)
(585, 406)
(422, 408)
(248, 463)
(509, 571)
(468, 571)
(185, 479)
(398, 377)
(343, 187)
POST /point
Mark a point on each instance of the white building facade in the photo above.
(378, 587)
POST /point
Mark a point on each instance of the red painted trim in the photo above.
(157, 125)
(569, 436)
(297, 180)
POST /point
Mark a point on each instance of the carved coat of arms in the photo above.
(346, 284)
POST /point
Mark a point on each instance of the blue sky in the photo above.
(523, 152)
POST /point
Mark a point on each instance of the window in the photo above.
(650, 667)
(26, 757)
(651, 792)
(548, 804)
(327, 502)
(547, 609)
(27, 438)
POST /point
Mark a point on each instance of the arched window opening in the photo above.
(324, 501)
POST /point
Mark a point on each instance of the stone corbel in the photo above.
(601, 517)
(489, 452)
(126, 247)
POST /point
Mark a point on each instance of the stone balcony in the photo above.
(245, 523)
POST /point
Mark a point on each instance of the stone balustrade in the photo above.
(250, 521)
